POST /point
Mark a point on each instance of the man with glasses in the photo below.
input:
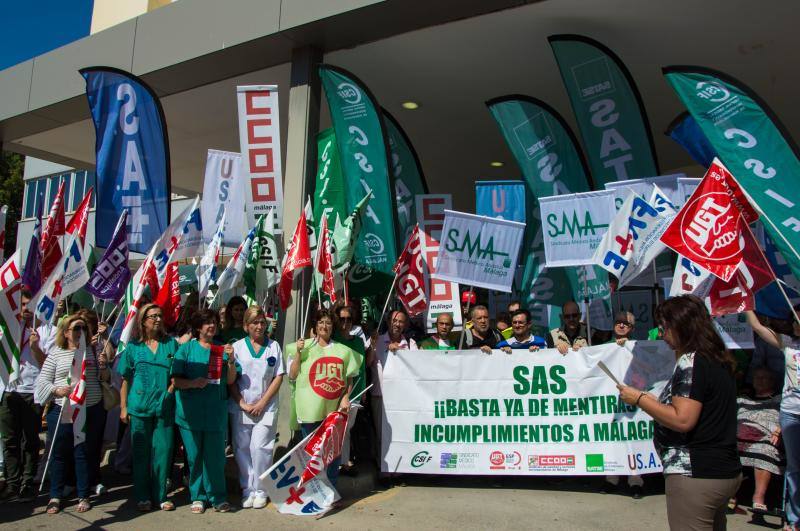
(522, 338)
(571, 334)
(624, 323)
(442, 339)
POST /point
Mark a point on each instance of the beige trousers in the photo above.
(698, 504)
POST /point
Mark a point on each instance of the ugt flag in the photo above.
(324, 446)
(411, 275)
(707, 230)
(132, 155)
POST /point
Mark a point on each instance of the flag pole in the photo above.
(777, 280)
(52, 444)
(388, 298)
(588, 302)
(464, 329)
(345, 284)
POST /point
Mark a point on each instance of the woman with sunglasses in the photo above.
(201, 374)
(254, 403)
(695, 417)
(323, 371)
(53, 384)
(147, 403)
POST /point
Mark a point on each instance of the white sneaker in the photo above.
(259, 502)
(247, 502)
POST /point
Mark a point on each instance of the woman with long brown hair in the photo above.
(695, 418)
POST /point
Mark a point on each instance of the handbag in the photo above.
(110, 395)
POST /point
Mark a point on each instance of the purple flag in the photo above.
(111, 273)
(32, 274)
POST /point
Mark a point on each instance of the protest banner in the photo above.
(132, 157)
(223, 195)
(443, 296)
(260, 145)
(501, 200)
(608, 108)
(467, 413)
(734, 331)
(574, 225)
(479, 251)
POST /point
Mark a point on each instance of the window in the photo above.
(91, 181)
(41, 195)
(30, 199)
(67, 178)
(80, 187)
(51, 196)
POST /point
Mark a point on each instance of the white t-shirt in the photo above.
(381, 353)
(258, 369)
(790, 402)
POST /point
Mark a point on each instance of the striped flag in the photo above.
(207, 270)
(75, 412)
(51, 249)
(233, 274)
(3, 212)
(10, 315)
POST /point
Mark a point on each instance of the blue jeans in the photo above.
(86, 456)
(790, 432)
(333, 468)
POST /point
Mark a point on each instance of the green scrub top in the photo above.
(148, 376)
(231, 335)
(356, 344)
(200, 409)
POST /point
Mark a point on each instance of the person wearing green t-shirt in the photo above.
(443, 338)
(323, 372)
(233, 329)
(201, 373)
(345, 319)
(148, 404)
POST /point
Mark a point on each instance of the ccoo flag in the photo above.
(608, 108)
(752, 143)
(132, 156)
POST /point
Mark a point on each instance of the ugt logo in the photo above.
(474, 246)
(572, 225)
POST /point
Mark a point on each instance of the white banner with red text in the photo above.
(525, 413)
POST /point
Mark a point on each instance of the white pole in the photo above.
(587, 301)
(52, 444)
(386, 304)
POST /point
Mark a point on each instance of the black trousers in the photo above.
(20, 424)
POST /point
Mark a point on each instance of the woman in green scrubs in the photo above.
(201, 373)
(147, 402)
(233, 330)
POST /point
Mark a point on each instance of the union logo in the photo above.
(711, 227)
(325, 377)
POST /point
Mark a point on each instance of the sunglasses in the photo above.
(571, 316)
(626, 324)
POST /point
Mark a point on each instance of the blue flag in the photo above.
(111, 274)
(32, 274)
(685, 131)
(132, 151)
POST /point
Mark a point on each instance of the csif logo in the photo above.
(420, 459)
(572, 225)
(373, 243)
(474, 246)
(349, 93)
(712, 91)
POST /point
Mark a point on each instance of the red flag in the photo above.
(297, 255)
(80, 219)
(410, 276)
(55, 223)
(754, 273)
(708, 229)
(324, 446)
(325, 262)
(169, 296)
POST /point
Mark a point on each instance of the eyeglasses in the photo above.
(626, 324)
(154, 317)
(571, 316)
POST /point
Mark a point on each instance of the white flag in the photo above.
(690, 279)
(234, 271)
(10, 315)
(69, 275)
(207, 270)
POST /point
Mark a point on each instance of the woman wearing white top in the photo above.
(790, 411)
(254, 404)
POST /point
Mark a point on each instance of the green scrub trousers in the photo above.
(205, 451)
(151, 439)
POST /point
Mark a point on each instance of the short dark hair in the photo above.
(323, 313)
(399, 310)
(202, 317)
(25, 292)
(355, 312)
(526, 313)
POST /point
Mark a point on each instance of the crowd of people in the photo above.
(209, 385)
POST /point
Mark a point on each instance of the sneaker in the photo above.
(26, 494)
(259, 502)
(100, 489)
(247, 502)
(637, 492)
(9, 493)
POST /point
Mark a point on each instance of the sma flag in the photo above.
(411, 275)
(10, 316)
(298, 255)
(324, 270)
(708, 229)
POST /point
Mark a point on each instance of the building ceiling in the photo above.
(451, 69)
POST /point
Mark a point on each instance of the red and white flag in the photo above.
(51, 249)
(411, 276)
(324, 268)
(3, 213)
(708, 229)
(298, 255)
(324, 446)
(75, 412)
(80, 219)
(169, 296)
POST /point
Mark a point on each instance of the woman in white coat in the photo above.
(254, 405)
